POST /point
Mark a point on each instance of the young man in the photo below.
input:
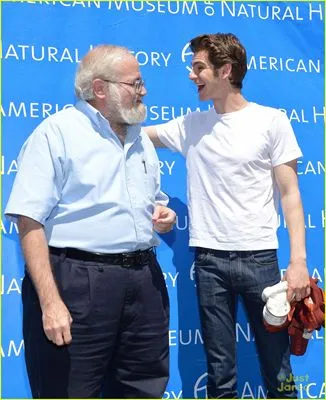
(240, 158)
(87, 198)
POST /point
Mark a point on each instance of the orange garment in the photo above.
(304, 317)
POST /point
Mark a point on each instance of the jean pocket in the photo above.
(264, 257)
(200, 256)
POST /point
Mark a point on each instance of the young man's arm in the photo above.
(55, 315)
(152, 134)
(297, 274)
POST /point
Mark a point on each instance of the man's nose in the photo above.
(192, 75)
(143, 91)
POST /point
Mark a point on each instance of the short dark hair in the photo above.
(223, 48)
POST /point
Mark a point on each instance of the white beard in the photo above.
(127, 116)
(134, 115)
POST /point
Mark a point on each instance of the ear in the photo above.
(226, 71)
(99, 88)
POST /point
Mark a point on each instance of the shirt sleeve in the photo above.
(285, 147)
(151, 154)
(38, 183)
(160, 197)
(172, 134)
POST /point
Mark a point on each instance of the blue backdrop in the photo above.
(42, 44)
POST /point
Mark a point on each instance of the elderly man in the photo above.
(87, 199)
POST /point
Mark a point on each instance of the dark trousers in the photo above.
(120, 343)
(220, 277)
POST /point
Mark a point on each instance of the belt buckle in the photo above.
(127, 260)
(139, 259)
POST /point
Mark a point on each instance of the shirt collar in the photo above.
(133, 131)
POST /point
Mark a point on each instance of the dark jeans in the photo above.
(220, 277)
(119, 332)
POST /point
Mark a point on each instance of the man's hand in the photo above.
(55, 315)
(163, 219)
(297, 277)
(57, 322)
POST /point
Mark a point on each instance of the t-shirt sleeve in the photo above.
(38, 183)
(285, 147)
(172, 134)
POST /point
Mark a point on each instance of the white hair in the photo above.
(100, 62)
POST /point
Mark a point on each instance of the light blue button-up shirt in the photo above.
(88, 190)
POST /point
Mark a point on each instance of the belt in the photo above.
(127, 260)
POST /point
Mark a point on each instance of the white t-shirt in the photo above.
(232, 194)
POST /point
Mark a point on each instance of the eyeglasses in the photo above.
(138, 84)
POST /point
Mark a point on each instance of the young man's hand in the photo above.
(297, 277)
